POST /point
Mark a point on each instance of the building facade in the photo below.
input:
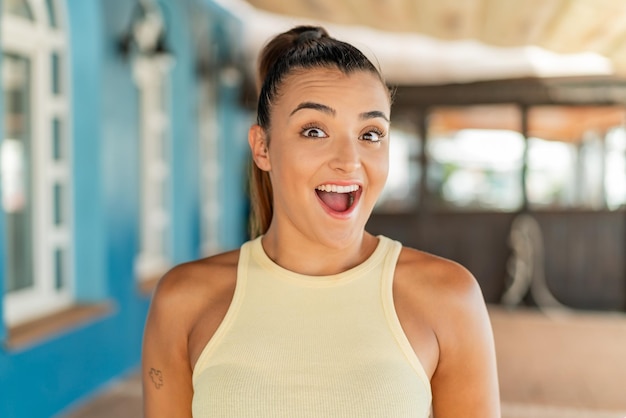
(121, 142)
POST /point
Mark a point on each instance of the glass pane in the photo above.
(19, 8)
(56, 73)
(16, 169)
(59, 268)
(551, 166)
(615, 178)
(52, 14)
(57, 140)
(58, 204)
(477, 169)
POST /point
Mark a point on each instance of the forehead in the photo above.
(333, 87)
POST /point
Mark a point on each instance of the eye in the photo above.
(313, 132)
(373, 135)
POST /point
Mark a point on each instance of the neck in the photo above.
(312, 257)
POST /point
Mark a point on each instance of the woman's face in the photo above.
(328, 153)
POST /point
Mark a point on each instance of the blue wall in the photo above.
(233, 132)
(185, 149)
(56, 373)
(89, 231)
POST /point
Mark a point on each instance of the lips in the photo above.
(338, 199)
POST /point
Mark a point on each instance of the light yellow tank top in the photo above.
(296, 346)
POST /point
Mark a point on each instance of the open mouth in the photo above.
(339, 199)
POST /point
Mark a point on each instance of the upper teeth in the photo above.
(338, 189)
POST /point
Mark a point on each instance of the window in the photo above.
(155, 226)
(551, 174)
(35, 160)
(477, 169)
(151, 73)
(576, 157)
(615, 177)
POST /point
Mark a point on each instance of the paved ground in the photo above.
(561, 365)
(551, 366)
(120, 400)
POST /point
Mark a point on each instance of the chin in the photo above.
(342, 236)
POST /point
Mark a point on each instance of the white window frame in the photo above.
(37, 40)
(151, 72)
(151, 76)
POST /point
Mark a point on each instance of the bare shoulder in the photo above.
(198, 276)
(436, 277)
(181, 299)
(441, 291)
(189, 288)
(443, 311)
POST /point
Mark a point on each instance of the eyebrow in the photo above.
(372, 114)
(315, 106)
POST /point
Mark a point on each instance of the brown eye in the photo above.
(372, 136)
(314, 133)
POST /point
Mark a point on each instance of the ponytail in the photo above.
(261, 200)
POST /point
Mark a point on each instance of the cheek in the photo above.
(290, 166)
(380, 169)
(381, 178)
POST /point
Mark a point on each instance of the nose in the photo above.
(346, 155)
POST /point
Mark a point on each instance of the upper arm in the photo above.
(166, 372)
(465, 382)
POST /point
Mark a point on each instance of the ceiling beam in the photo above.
(570, 91)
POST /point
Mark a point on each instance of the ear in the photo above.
(257, 138)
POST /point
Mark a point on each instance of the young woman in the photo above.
(315, 317)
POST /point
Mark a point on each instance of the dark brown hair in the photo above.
(301, 48)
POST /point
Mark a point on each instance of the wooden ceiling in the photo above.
(562, 26)
(557, 123)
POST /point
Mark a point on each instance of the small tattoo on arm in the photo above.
(157, 377)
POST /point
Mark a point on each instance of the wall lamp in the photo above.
(146, 34)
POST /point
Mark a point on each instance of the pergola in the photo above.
(561, 26)
(576, 256)
(560, 108)
(448, 41)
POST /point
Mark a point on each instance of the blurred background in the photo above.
(123, 151)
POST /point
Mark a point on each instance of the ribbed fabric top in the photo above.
(296, 346)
